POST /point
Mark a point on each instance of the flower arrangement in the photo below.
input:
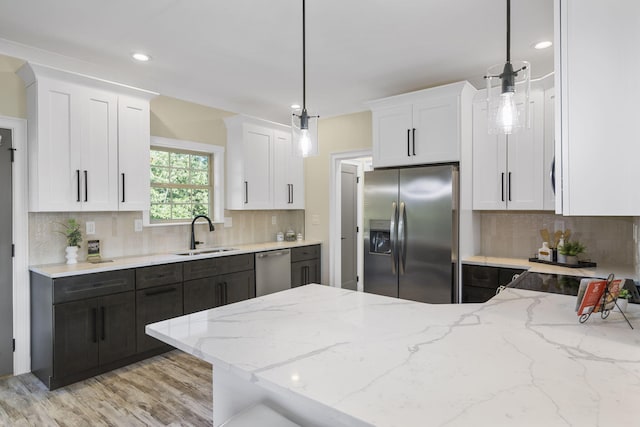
(571, 248)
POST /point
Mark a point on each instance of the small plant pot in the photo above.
(572, 259)
(621, 305)
(71, 254)
(562, 259)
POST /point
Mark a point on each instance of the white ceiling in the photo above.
(245, 56)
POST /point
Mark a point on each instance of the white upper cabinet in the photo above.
(262, 172)
(549, 150)
(596, 106)
(421, 127)
(509, 170)
(133, 138)
(80, 138)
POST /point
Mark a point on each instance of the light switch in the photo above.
(137, 225)
(91, 227)
(228, 221)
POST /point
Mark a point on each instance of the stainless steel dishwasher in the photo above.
(273, 271)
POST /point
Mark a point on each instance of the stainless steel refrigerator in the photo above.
(411, 233)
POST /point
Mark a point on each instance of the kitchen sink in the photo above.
(205, 251)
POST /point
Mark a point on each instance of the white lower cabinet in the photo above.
(262, 172)
(83, 136)
(509, 170)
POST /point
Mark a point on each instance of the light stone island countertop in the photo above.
(357, 359)
(63, 270)
(601, 271)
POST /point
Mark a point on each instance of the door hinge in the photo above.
(357, 180)
(357, 278)
(13, 150)
(14, 345)
(357, 229)
(13, 250)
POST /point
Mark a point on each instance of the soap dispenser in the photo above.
(544, 253)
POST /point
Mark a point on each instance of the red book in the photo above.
(595, 296)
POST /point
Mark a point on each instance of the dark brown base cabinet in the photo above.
(305, 265)
(214, 282)
(88, 324)
(479, 282)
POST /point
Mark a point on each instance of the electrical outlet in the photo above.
(274, 220)
(91, 228)
(137, 225)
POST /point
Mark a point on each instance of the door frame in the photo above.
(21, 311)
(335, 209)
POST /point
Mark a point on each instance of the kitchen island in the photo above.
(330, 357)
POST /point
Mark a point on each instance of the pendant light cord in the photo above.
(304, 67)
(508, 30)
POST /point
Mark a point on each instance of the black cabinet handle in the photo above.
(226, 292)
(502, 186)
(414, 141)
(102, 316)
(94, 315)
(123, 188)
(246, 192)
(86, 186)
(160, 292)
(408, 142)
(509, 186)
(78, 182)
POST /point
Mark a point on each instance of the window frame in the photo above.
(217, 162)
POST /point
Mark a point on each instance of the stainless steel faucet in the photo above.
(193, 237)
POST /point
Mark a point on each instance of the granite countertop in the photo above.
(64, 270)
(602, 271)
(522, 358)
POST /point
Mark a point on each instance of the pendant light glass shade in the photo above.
(304, 128)
(304, 134)
(508, 97)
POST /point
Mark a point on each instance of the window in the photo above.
(180, 184)
(185, 181)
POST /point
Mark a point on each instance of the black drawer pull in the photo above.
(160, 292)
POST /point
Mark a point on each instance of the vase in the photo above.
(562, 259)
(621, 305)
(572, 259)
(71, 254)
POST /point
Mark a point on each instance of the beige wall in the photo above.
(13, 96)
(335, 135)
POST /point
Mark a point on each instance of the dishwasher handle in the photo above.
(273, 253)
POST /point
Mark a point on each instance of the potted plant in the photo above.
(623, 300)
(568, 253)
(72, 232)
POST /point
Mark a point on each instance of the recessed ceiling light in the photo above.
(142, 57)
(295, 106)
(542, 45)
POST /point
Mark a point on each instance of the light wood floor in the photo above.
(173, 389)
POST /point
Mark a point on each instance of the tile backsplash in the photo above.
(118, 237)
(609, 240)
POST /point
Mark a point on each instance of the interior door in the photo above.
(349, 235)
(6, 263)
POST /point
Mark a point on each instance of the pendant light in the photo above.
(304, 128)
(508, 112)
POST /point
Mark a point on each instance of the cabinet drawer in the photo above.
(92, 285)
(158, 275)
(305, 253)
(201, 268)
(235, 263)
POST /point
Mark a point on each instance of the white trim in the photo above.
(217, 153)
(335, 252)
(21, 310)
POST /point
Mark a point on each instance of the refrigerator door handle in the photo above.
(402, 238)
(393, 234)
